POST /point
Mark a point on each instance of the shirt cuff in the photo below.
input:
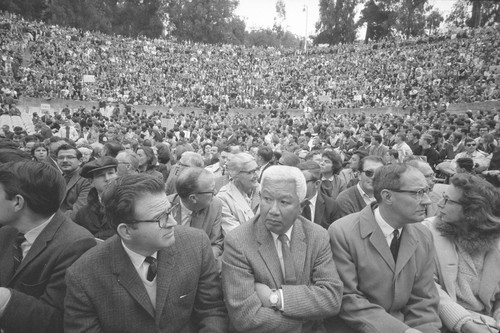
(282, 308)
(5, 296)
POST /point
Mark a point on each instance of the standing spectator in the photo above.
(382, 255)
(37, 244)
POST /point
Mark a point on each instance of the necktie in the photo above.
(290, 277)
(395, 244)
(153, 268)
(18, 251)
(67, 132)
(306, 211)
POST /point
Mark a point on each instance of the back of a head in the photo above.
(237, 161)
(13, 155)
(188, 180)
(41, 185)
(312, 167)
(191, 159)
(284, 173)
(120, 195)
(266, 153)
(388, 177)
(289, 159)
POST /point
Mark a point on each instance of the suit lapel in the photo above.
(41, 242)
(7, 262)
(72, 181)
(407, 246)
(166, 273)
(298, 247)
(369, 228)
(127, 276)
(268, 252)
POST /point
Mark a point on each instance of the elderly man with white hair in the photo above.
(240, 197)
(278, 272)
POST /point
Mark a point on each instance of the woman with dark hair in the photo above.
(331, 183)
(39, 152)
(148, 161)
(467, 239)
(111, 148)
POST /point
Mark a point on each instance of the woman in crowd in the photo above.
(148, 161)
(331, 183)
(467, 238)
(39, 152)
(350, 175)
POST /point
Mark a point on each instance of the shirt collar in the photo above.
(288, 234)
(184, 210)
(33, 234)
(363, 193)
(314, 198)
(387, 230)
(136, 258)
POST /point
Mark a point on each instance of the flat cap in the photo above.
(101, 163)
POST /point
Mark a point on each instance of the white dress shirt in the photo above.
(277, 245)
(387, 230)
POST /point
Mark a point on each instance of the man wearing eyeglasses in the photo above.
(383, 258)
(153, 276)
(481, 159)
(196, 206)
(357, 197)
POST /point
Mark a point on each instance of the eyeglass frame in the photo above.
(447, 199)
(419, 194)
(213, 193)
(370, 171)
(165, 215)
(254, 171)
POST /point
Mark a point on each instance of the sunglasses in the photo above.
(471, 145)
(369, 173)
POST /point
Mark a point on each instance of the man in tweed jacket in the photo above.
(153, 276)
(260, 294)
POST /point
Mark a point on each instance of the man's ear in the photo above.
(387, 196)
(123, 230)
(19, 202)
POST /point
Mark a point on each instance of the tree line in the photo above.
(215, 21)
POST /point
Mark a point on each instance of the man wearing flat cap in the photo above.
(100, 172)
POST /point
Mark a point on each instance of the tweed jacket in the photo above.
(77, 191)
(236, 209)
(105, 293)
(350, 201)
(250, 257)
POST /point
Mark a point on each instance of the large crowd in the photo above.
(40, 60)
(119, 220)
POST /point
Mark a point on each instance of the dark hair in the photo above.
(188, 181)
(113, 148)
(150, 154)
(480, 202)
(377, 137)
(312, 167)
(388, 177)
(69, 147)
(39, 145)
(266, 153)
(336, 160)
(41, 185)
(466, 163)
(120, 196)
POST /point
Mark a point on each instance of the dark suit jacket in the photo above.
(350, 201)
(381, 295)
(250, 257)
(208, 219)
(77, 191)
(38, 285)
(105, 293)
(326, 211)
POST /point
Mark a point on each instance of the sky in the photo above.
(261, 13)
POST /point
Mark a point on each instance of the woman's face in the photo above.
(143, 159)
(208, 149)
(40, 154)
(355, 162)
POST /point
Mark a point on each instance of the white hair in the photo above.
(236, 162)
(192, 159)
(287, 173)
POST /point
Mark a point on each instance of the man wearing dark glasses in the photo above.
(383, 256)
(153, 276)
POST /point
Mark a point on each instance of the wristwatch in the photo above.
(274, 298)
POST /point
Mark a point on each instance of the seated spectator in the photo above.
(467, 238)
(128, 163)
(188, 159)
(39, 152)
(240, 197)
(382, 256)
(331, 183)
(37, 244)
(430, 153)
(289, 159)
(101, 172)
(355, 198)
(465, 165)
(392, 157)
(151, 276)
(111, 148)
(147, 162)
(377, 147)
(402, 147)
(196, 206)
(316, 206)
(278, 266)
(430, 176)
(350, 174)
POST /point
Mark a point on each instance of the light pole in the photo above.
(305, 9)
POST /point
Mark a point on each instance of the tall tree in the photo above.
(433, 20)
(378, 20)
(411, 17)
(336, 22)
(473, 13)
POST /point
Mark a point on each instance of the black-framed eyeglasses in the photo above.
(162, 220)
(446, 199)
(419, 194)
(369, 173)
(471, 145)
(311, 180)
